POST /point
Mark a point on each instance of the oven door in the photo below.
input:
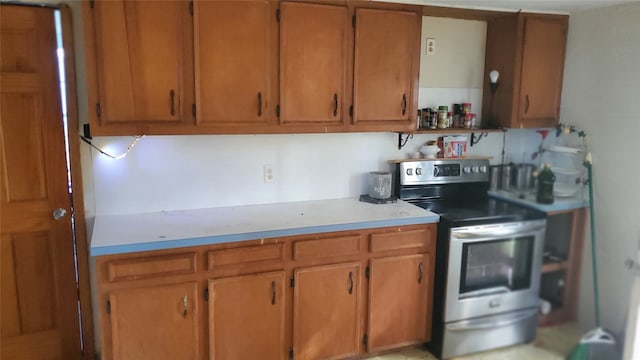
(493, 268)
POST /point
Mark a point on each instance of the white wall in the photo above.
(453, 73)
(601, 95)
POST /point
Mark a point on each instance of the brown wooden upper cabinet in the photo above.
(235, 63)
(313, 63)
(528, 50)
(139, 65)
(386, 62)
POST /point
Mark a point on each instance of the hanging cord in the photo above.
(117, 157)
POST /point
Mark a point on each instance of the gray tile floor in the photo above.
(551, 343)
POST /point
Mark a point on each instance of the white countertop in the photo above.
(559, 203)
(114, 234)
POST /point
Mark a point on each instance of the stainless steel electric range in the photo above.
(488, 257)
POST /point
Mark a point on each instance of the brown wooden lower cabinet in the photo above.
(247, 317)
(399, 308)
(326, 303)
(353, 293)
(158, 322)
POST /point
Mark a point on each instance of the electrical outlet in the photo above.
(268, 174)
(430, 46)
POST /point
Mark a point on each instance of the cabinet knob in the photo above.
(335, 104)
(420, 273)
(259, 104)
(273, 293)
(59, 213)
(185, 305)
(350, 282)
(172, 95)
(526, 103)
(404, 104)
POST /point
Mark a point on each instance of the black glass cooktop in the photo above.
(479, 212)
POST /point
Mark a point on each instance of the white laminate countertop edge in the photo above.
(114, 234)
(559, 203)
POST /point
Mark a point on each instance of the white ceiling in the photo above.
(552, 6)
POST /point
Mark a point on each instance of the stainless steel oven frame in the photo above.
(491, 301)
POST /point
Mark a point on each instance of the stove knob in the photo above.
(409, 171)
(467, 170)
(483, 169)
(418, 171)
(475, 169)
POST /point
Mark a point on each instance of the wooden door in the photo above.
(542, 70)
(326, 302)
(247, 317)
(312, 63)
(143, 60)
(39, 301)
(158, 322)
(385, 66)
(400, 290)
(234, 43)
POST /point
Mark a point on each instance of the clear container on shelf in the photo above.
(567, 165)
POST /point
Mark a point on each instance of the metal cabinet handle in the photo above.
(404, 104)
(259, 104)
(273, 293)
(172, 95)
(420, 273)
(350, 282)
(59, 213)
(185, 305)
(335, 105)
(526, 104)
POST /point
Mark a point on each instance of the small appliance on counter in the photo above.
(379, 188)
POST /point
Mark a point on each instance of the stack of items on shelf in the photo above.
(461, 117)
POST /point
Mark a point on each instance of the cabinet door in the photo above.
(144, 62)
(312, 63)
(159, 322)
(385, 70)
(247, 317)
(542, 70)
(400, 290)
(233, 61)
(325, 311)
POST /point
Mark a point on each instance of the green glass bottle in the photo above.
(546, 178)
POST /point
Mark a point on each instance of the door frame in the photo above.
(77, 200)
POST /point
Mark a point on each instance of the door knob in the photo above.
(59, 213)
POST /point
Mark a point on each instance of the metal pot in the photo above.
(522, 177)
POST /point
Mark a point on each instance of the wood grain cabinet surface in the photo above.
(316, 296)
(156, 322)
(235, 62)
(385, 74)
(251, 67)
(528, 50)
(139, 66)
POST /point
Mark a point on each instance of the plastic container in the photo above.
(380, 184)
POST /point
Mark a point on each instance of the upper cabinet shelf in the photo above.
(254, 66)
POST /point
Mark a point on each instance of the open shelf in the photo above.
(454, 131)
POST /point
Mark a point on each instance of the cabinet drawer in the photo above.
(400, 240)
(319, 248)
(151, 266)
(247, 254)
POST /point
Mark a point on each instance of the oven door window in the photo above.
(496, 266)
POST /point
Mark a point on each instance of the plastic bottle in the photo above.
(546, 178)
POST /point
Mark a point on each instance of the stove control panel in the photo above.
(443, 171)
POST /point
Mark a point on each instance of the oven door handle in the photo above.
(496, 231)
(484, 324)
